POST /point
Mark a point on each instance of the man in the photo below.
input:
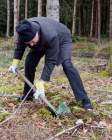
(50, 38)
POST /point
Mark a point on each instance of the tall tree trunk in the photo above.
(110, 24)
(96, 18)
(39, 8)
(79, 19)
(8, 18)
(16, 18)
(74, 17)
(52, 9)
(99, 22)
(110, 59)
(26, 8)
(92, 15)
(110, 36)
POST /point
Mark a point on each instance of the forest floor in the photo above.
(34, 122)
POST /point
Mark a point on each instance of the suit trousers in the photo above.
(71, 72)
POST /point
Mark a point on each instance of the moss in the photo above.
(66, 120)
(56, 99)
(5, 59)
(10, 89)
(45, 114)
(77, 109)
(9, 83)
(6, 42)
(103, 73)
(94, 103)
(61, 79)
(3, 115)
(85, 74)
(79, 39)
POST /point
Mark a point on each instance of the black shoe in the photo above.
(21, 98)
(86, 103)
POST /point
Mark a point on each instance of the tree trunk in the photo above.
(8, 18)
(79, 18)
(26, 8)
(110, 26)
(110, 36)
(52, 9)
(92, 15)
(39, 8)
(16, 18)
(96, 19)
(74, 17)
(99, 22)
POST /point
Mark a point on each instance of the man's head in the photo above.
(27, 33)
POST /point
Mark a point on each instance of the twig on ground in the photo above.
(99, 90)
(9, 95)
(65, 131)
(16, 111)
(106, 102)
(99, 127)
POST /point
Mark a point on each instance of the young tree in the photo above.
(95, 29)
(99, 21)
(110, 24)
(52, 9)
(92, 15)
(39, 13)
(26, 8)
(16, 17)
(74, 17)
(8, 18)
(78, 24)
(110, 36)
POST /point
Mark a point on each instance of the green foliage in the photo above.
(10, 83)
(94, 103)
(44, 113)
(6, 43)
(77, 109)
(83, 14)
(65, 16)
(3, 115)
(77, 38)
(104, 73)
(106, 50)
(61, 79)
(10, 89)
(5, 59)
(85, 46)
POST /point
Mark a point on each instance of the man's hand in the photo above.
(40, 89)
(39, 93)
(14, 66)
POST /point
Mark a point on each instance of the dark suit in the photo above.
(56, 44)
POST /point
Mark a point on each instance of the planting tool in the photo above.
(60, 110)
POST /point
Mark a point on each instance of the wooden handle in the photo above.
(26, 80)
(34, 89)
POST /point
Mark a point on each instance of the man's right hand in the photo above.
(14, 66)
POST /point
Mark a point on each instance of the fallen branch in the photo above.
(99, 90)
(65, 131)
(16, 111)
(99, 127)
(106, 102)
(9, 95)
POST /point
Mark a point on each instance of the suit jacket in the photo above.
(55, 42)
